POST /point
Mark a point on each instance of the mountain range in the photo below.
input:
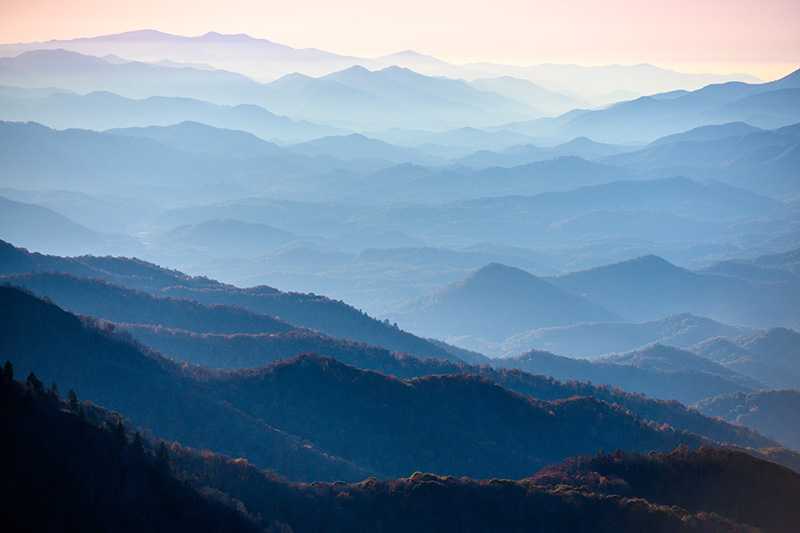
(766, 105)
(496, 302)
(207, 491)
(266, 60)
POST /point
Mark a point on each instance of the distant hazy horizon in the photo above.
(758, 38)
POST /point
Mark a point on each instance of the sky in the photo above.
(760, 37)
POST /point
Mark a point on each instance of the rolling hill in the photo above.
(650, 288)
(687, 386)
(495, 302)
(351, 411)
(311, 311)
(206, 491)
(589, 340)
(105, 110)
(772, 413)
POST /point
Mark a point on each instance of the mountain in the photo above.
(124, 165)
(776, 351)
(780, 267)
(538, 98)
(671, 359)
(528, 221)
(357, 146)
(207, 491)
(456, 183)
(86, 73)
(684, 479)
(355, 96)
(712, 132)
(100, 213)
(113, 372)
(771, 365)
(44, 229)
(760, 160)
(256, 350)
(226, 238)
(376, 420)
(582, 147)
(650, 287)
(264, 59)
(105, 110)
(312, 311)
(687, 386)
(257, 57)
(194, 137)
(392, 97)
(588, 340)
(765, 105)
(111, 302)
(97, 479)
(460, 141)
(497, 301)
(772, 413)
(366, 417)
(253, 350)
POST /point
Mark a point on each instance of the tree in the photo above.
(162, 458)
(118, 430)
(72, 398)
(8, 372)
(34, 384)
(53, 390)
(137, 445)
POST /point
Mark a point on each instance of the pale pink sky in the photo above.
(757, 36)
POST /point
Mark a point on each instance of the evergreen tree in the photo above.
(119, 433)
(53, 390)
(162, 458)
(8, 372)
(34, 384)
(137, 445)
(72, 398)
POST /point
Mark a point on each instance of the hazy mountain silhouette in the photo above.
(686, 386)
(108, 163)
(357, 146)
(582, 147)
(390, 97)
(112, 302)
(257, 57)
(769, 356)
(588, 340)
(315, 312)
(87, 73)
(766, 105)
(544, 101)
(761, 160)
(41, 228)
(671, 359)
(711, 132)
(105, 110)
(495, 302)
(772, 413)
(650, 287)
(226, 237)
(451, 184)
(199, 138)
